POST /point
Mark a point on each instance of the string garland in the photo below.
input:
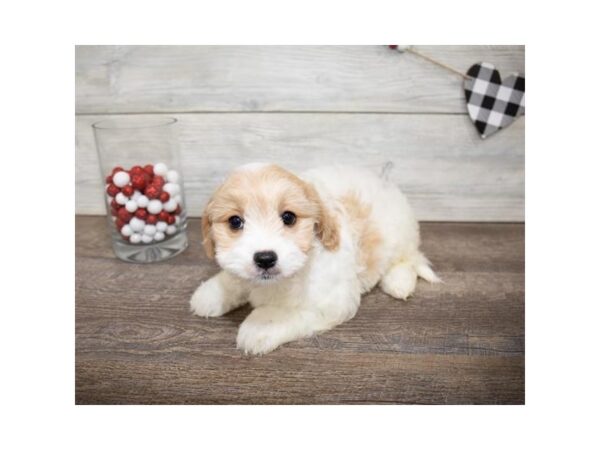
(492, 104)
(409, 49)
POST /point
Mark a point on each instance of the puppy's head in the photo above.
(262, 222)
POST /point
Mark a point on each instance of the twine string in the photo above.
(427, 58)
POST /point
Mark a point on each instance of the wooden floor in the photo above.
(457, 342)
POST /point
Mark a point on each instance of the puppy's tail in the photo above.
(423, 268)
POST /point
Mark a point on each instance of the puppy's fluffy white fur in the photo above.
(352, 231)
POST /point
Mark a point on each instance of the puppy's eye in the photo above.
(236, 222)
(289, 218)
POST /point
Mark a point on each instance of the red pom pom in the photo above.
(114, 207)
(136, 170)
(164, 197)
(177, 210)
(151, 219)
(119, 223)
(152, 191)
(127, 190)
(141, 213)
(117, 169)
(109, 179)
(112, 190)
(158, 181)
(393, 47)
(149, 169)
(163, 215)
(171, 219)
(138, 182)
(124, 215)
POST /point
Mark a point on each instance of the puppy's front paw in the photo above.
(209, 300)
(257, 336)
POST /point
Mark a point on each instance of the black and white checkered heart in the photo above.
(493, 104)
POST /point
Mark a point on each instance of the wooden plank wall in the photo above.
(302, 106)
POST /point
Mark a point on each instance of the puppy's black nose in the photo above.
(264, 260)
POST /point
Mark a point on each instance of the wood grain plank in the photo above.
(444, 313)
(438, 320)
(317, 377)
(440, 162)
(123, 79)
(458, 342)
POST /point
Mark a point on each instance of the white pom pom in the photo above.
(160, 169)
(177, 220)
(121, 199)
(126, 230)
(136, 224)
(135, 238)
(172, 188)
(142, 201)
(154, 206)
(161, 226)
(170, 206)
(120, 179)
(131, 206)
(171, 229)
(136, 195)
(172, 176)
(159, 236)
(146, 239)
(149, 230)
(178, 199)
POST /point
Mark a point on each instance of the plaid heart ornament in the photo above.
(493, 104)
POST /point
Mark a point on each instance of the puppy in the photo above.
(302, 250)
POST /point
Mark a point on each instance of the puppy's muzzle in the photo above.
(265, 260)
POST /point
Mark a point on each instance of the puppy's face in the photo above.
(262, 222)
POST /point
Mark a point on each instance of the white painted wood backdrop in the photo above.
(302, 106)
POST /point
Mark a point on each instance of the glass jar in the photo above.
(143, 186)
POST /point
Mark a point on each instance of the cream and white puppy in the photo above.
(302, 250)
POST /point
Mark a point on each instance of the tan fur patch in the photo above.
(263, 194)
(369, 239)
(207, 239)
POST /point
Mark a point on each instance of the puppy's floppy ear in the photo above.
(326, 226)
(328, 231)
(207, 239)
